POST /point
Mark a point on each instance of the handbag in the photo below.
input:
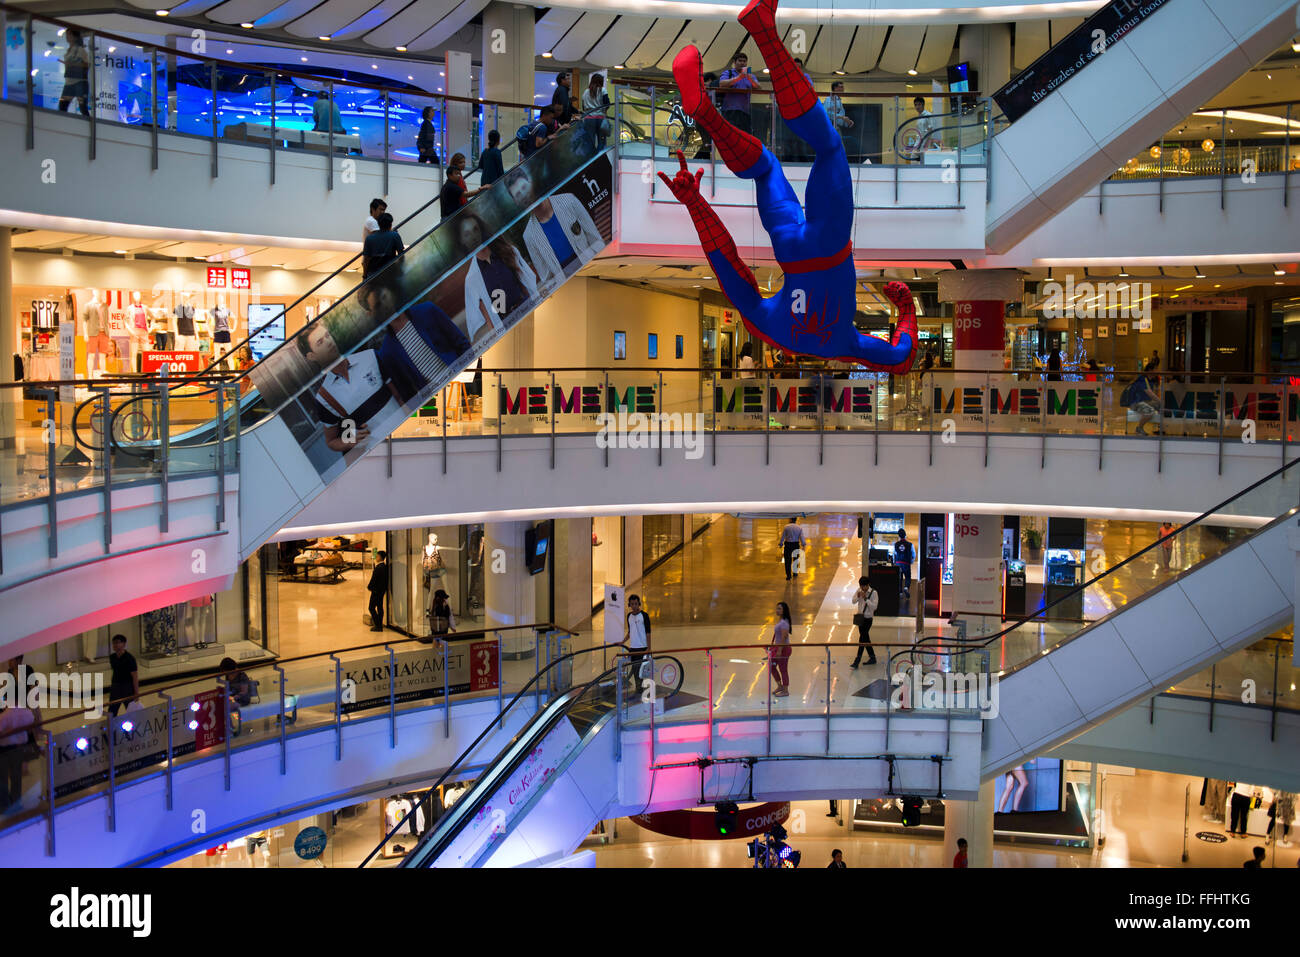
(859, 619)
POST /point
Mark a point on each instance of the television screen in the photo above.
(537, 544)
(271, 316)
(1032, 786)
(959, 78)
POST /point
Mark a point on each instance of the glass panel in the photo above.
(122, 82)
(416, 129)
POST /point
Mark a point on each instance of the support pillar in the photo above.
(509, 54)
(9, 398)
(979, 298)
(987, 48)
(972, 820)
(458, 115)
(977, 572)
(509, 592)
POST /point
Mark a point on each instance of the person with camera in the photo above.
(739, 84)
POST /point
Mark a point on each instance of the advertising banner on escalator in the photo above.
(347, 380)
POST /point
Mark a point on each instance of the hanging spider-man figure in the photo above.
(813, 313)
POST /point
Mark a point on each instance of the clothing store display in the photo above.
(1214, 794)
(220, 324)
(184, 319)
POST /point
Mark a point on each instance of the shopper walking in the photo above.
(76, 69)
(1256, 861)
(636, 632)
(959, 859)
(378, 588)
(865, 600)
(835, 109)
(904, 554)
(381, 247)
(837, 861)
(1142, 399)
(125, 682)
(1167, 543)
(779, 654)
(792, 541)
(371, 225)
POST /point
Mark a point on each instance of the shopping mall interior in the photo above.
(423, 447)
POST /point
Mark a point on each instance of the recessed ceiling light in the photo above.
(409, 77)
(303, 58)
(161, 13)
(247, 26)
(912, 72)
(120, 252)
(442, 73)
(112, 49)
(401, 49)
(618, 66)
(1279, 272)
(229, 52)
(1217, 285)
(326, 39)
(547, 55)
(766, 70)
(374, 66)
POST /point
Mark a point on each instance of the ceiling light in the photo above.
(326, 39)
(1279, 272)
(1181, 288)
(228, 52)
(161, 13)
(112, 49)
(401, 49)
(374, 66)
(409, 77)
(442, 73)
(766, 70)
(1295, 46)
(547, 55)
(840, 73)
(1199, 274)
(119, 252)
(1217, 285)
(912, 72)
(247, 26)
(303, 58)
(618, 66)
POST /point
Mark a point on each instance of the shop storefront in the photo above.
(430, 559)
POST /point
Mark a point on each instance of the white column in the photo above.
(509, 36)
(972, 820)
(987, 48)
(459, 139)
(509, 592)
(9, 398)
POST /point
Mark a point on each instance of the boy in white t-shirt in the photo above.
(636, 633)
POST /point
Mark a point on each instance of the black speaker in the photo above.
(911, 811)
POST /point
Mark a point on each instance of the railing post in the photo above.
(821, 418)
(446, 692)
(90, 94)
(988, 414)
(170, 751)
(1223, 159)
(31, 118)
(273, 137)
(1161, 147)
(107, 420)
(1160, 429)
(709, 655)
(329, 169)
(284, 720)
(1214, 682)
(1272, 717)
(49, 737)
(51, 505)
(164, 447)
(828, 699)
(386, 142)
(229, 710)
(875, 420)
(221, 453)
(653, 110)
(212, 74)
(1286, 413)
(1042, 423)
(338, 707)
(604, 401)
(153, 99)
(442, 408)
(500, 420)
(659, 407)
(112, 775)
(537, 672)
(618, 708)
(551, 396)
(501, 677)
(767, 416)
(392, 696)
(713, 415)
(930, 439)
(769, 700)
(1286, 160)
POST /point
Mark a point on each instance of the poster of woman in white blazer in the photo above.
(560, 236)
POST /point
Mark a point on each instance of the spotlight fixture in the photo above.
(546, 55)
(247, 26)
(619, 66)
(161, 13)
(401, 49)
(324, 39)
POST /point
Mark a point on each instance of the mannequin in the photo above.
(186, 335)
(222, 324)
(198, 626)
(96, 333)
(161, 329)
(139, 325)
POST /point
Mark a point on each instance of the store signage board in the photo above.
(241, 278)
(1081, 46)
(1202, 304)
(68, 358)
(310, 843)
(418, 675)
(216, 277)
(151, 362)
(615, 613)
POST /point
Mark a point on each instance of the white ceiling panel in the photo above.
(831, 49)
(718, 56)
(583, 36)
(328, 18)
(240, 11)
(108, 244)
(410, 23)
(865, 52)
(701, 33)
(446, 28)
(1031, 41)
(655, 44)
(43, 238)
(363, 24)
(287, 12)
(619, 41)
(189, 8)
(936, 51)
(553, 26)
(902, 49)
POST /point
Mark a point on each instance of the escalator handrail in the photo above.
(505, 763)
(244, 373)
(528, 689)
(1078, 590)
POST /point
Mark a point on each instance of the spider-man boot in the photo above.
(740, 151)
(898, 293)
(794, 94)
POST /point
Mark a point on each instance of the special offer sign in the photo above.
(154, 361)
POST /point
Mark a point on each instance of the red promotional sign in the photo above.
(241, 278)
(216, 277)
(485, 666)
(978, 326)
(698, 825)
(210, 719)
(154, 361)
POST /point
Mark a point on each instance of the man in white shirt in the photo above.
(377, 206)
(924, 129)
(792, 539)
(636, 633)
(835, 108)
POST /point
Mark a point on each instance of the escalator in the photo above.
(335, 389)
(541, 796)
(1129, 74)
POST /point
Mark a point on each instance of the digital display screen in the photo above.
(1032, 786)
(264, 342)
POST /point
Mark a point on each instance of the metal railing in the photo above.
(87, 754)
